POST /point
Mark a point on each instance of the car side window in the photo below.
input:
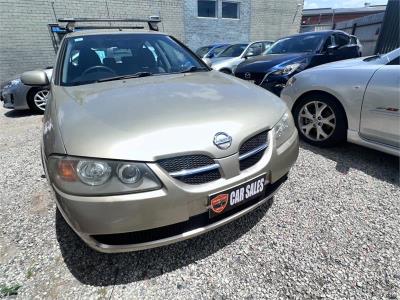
(267, 45)
(328, 42)
(218, 50)
(341, 40)
(255, 49)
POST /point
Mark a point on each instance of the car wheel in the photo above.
(320, 120)
(37, 99)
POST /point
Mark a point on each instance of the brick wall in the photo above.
(204, 31)
(25, 42)
(273, 19)
(259, 20)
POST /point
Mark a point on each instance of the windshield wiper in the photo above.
(194, 69)
(136, 75)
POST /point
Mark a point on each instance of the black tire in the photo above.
(31, 100)
(337, 135)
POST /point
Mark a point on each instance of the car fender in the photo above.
(347, 87)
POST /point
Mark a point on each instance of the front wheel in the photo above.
(37, 99)
(320, 120)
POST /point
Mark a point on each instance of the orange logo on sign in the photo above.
(219, 203)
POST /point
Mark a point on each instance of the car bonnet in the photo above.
(153, 117)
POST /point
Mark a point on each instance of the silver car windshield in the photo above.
(384, 58)
(203, 51)
(105, 57)
(233, 51)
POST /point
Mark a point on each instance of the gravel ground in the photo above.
(331, 232)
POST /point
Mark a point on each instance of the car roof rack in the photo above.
(151, 21)
(57, 32)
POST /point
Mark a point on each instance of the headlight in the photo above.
(93, 172)
(13, 83)
(287, 70)
(284, 129)
(129, 173)
(90, 177)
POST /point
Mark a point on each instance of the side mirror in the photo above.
(332, 49)
(35, 78)
(249, 54)
(207, 61)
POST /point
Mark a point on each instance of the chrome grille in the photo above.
(252, 150)
(201, 177)
(179, 163)
(191, 169)
(199, 169)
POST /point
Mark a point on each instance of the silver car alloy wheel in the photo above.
(317, 121)
(40, 99)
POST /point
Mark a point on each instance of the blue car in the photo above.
(211, 51)
(293, 54)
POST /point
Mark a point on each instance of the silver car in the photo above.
(144, 145)
(211, 51)
(357, 100)
(16, 95)
(232, 56)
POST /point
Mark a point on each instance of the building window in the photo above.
(230, 10)
(207, 8)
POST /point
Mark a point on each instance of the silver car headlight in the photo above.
(86, 176)
(12, 83)
(284, 129)
(15, 82)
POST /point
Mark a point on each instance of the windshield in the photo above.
(233, 51)
(92, 58)
(218, 50)
(372, 58)
(203, 51)
(382, 58)
(296, 44)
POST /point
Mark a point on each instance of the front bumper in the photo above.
(8, 99)
(268, 81)
(14, 97)
(106, 222)
(274, 84)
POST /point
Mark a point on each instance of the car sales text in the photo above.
(247, 192)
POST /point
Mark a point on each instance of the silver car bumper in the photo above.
(98, 246)
(14, 97)
(8, 99)
(97, 218)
